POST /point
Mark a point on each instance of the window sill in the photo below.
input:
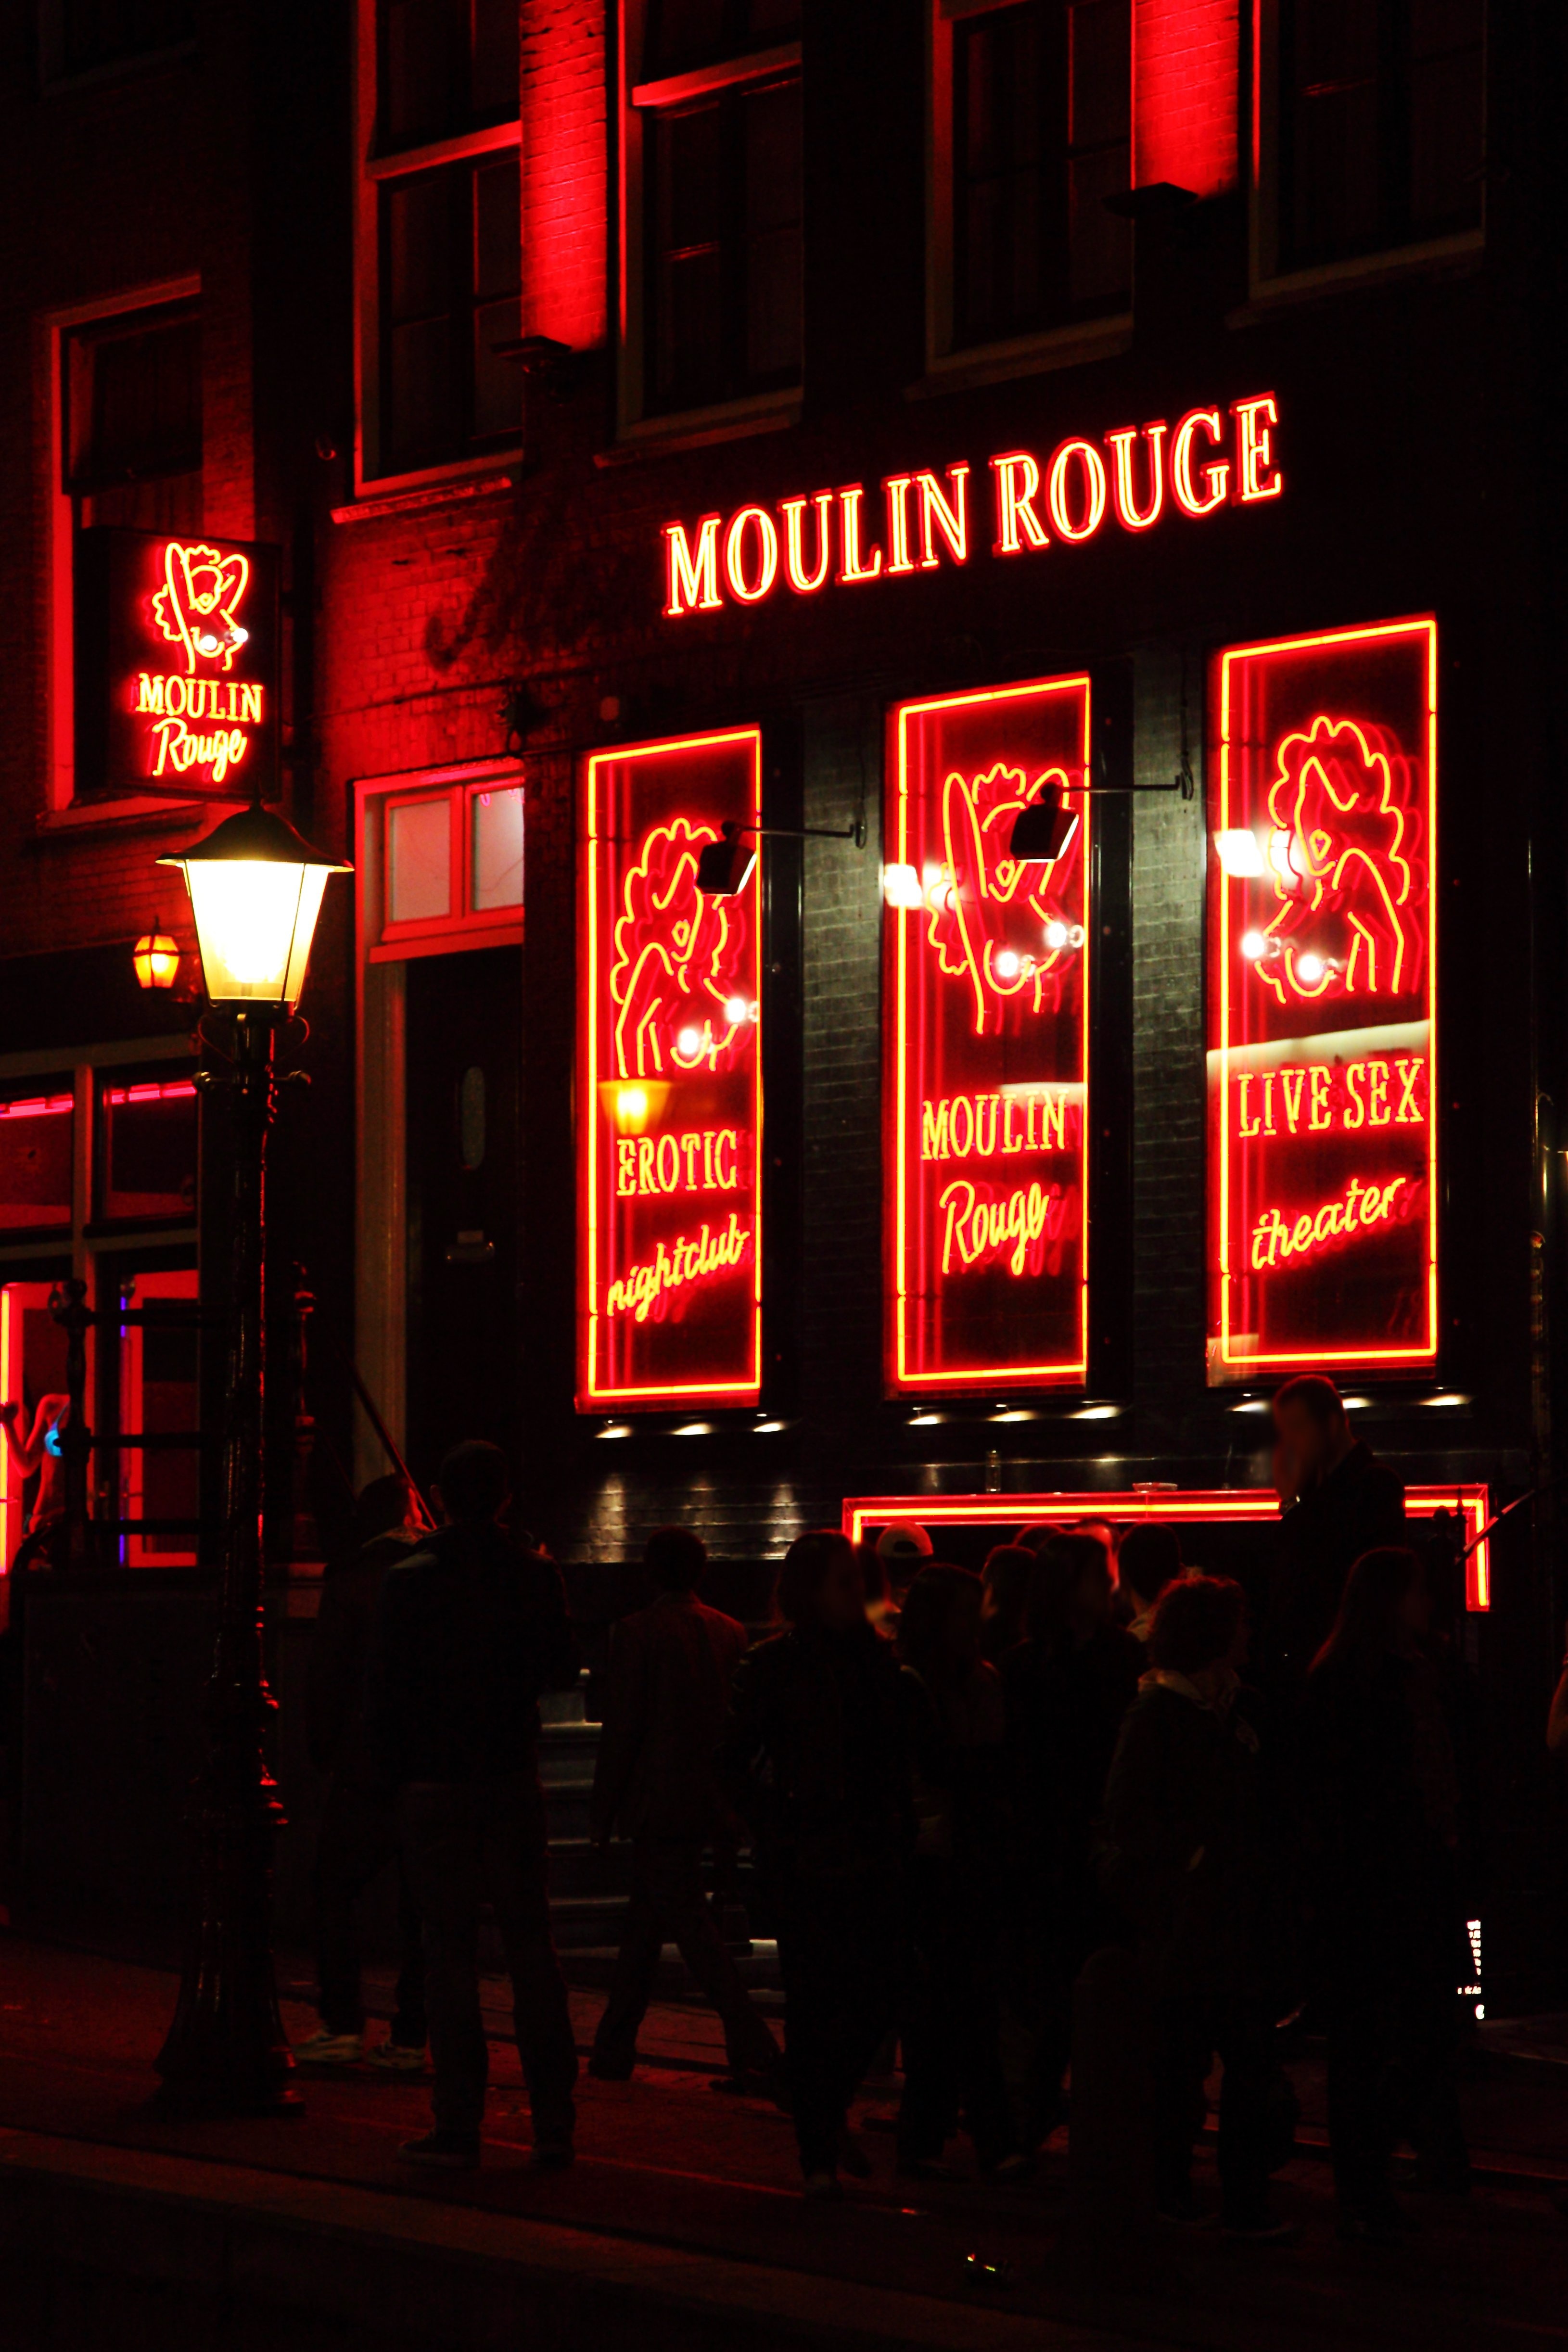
(1440, 257)
(1059, 347)
(139, 815)
(700, 428)
(413, 493)
(476, 934)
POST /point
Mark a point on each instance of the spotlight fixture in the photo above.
(902, 887)
(1240, 854)
(1043, 831)
(724, 866)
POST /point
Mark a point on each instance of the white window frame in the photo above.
(638, 99)
(951, 367)
(59, 537)
(371, 171)
(1268, 281)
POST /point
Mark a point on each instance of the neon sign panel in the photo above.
(1137, 475)
(184, 633)
(985, 1076)
(669, 1104)
(1323, 1047)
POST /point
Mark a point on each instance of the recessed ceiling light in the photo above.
(695, 1429)
(1095, 1413)
(1447, 1396)
(770, 1428)
(1013, 1413)
(926, 1420)
(615, 1428)
(1251, 1404)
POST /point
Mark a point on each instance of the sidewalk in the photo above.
(680, 2222)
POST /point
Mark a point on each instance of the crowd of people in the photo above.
(960, 1790)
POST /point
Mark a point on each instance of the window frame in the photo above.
(638, 99)
(373, 172)
(59, 326)
(463, 925)
(53, 74)
(1268, 276)
(948, 363)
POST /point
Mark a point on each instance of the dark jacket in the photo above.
(812, 1757)
(1359, 1506)
(1065, 1709)
(670, 1667)
(470, 1634)
(1181, 1853)
(340, 1660)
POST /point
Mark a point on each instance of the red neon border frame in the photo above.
(900, 1381)
(1254, 1506)
(591, 1398)
(1390, 1359)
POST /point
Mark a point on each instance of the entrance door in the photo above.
(465, 1046)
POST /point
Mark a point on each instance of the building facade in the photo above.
(862, 422)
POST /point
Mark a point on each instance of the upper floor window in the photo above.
(714, 218)
(441, 235)
(1040, 138)
(131, 433)
(1380, 119)
(82, 36)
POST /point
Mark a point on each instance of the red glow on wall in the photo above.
(987, 1069)
(562, 165)
(670, 1082)
(866, 1516)
(1323, 1089)
(1186, 94)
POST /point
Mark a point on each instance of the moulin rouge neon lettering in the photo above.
(642, 1289)
(975, 1226)
(920, 520)
(988, 1126)
(702, 1160)
(1276, 1239)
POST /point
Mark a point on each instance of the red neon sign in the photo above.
(1322, 1094)
(986, 1072)
(867, 1515)
(177, 662)
(669, 1071)
(1211, 457)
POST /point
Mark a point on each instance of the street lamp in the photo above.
(256, 890)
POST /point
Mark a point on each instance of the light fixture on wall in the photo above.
(1043, 829)
(1240, 853)
(724, 866)
(157, 958)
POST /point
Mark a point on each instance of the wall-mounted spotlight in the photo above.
(1043, 830)
(724, 866)
(1240, 853)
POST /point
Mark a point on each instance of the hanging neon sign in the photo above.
(986, 1071)
(176, 663)
(1322, 1100)
(670, 1066)
(1214, 457)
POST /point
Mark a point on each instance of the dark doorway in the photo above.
(464, 1058)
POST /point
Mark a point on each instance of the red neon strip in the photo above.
(1249, 1506)
(39, 1107)
(176, 1090)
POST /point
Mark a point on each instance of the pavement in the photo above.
(682, 2222)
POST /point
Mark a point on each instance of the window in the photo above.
(147, 1160)
(160, 1405)
(442, 235)
(132, 429)
(81, 36)
(713, 129)
(1040, 137)
(37, 1131)
(1380, 120)
(443, 864)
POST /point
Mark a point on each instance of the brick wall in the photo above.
(1187, 90)
(564, 181)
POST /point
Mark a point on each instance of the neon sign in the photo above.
(1322, 1045)
(986, 1071)
(1212, 457)
(866, 1516)
(182, 635)
(670, 1070)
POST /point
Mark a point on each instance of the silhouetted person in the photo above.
(1148, 1560)
(1004, 1579)
(655, 1779)
(813, 1762)
(1068, 1685)
(471, 1632)
(1185, 1858)
(1339, 1501)
(955, 1724)
(1381, 1805)
(357, 1832)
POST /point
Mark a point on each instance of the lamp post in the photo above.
(256, 890)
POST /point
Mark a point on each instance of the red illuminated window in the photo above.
(147, 1166)
(1041, 137)
(865, 1517)
(985, 1076)
(37, 1134)
(1323, 1039)
(711, 144)
(440, 233)
(670, 1082)
(160, 1401)
(1374, 113)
